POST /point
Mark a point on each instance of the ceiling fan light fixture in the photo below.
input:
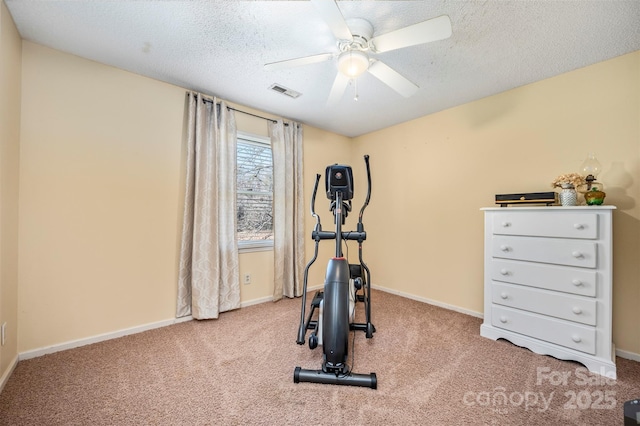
(353, 63)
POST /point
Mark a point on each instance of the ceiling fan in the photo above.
(357, 43)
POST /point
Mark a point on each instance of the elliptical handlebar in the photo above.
(318, 234)
(313, 203)
(366, 201)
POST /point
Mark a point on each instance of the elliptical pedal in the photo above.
(317, 298)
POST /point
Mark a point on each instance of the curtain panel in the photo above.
(288, 208)
(208, 281)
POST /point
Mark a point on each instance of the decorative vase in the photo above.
(568, 195)
(594, 198)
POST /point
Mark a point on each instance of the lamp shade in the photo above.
(353, 63)
(591, 165)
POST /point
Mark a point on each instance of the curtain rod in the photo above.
(245, 112)
(254, 115)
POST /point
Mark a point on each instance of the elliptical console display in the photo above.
(339, 179)
(336, 302)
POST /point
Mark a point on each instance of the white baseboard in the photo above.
(99, 338)
(5, 377)
(183, 319)
(429, 301)
(133, 330)
(622, 354)
(628, 355)
(270, 298)
(256, 301)
(120, 333)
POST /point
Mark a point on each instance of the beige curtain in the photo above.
(288, 209)
(209, 281)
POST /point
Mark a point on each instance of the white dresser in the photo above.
(548, 282)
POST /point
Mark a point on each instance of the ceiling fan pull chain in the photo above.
(355, 89)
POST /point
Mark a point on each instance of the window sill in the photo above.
(255, 246)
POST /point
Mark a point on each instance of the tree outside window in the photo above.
(254, 192)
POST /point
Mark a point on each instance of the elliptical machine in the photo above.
(336, 303)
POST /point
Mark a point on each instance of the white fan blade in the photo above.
(289, 63)
(331, 14)
(391, 78)
(424, 32)
(338, 88)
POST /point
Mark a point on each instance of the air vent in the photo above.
(285, 91)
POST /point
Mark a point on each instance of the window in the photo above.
(254, 192)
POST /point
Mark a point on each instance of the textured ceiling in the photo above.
(219, 48)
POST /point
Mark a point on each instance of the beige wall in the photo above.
(10, 74)
(433, 174)
(99, 195)
(101, 198)
(101, 190)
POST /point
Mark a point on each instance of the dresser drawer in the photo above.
(547, 250)
(563, 333)
(563, 306)
(563, 225)
(550, 277)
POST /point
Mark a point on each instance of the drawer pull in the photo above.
(577, 255)
(576, 338)
(504, 272)
(506, 224)
(504, 295)
(503, 319)
(577, 283)
(576, 310)
(578, 226)
(504, 247)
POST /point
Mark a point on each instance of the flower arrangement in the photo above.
(573, 179)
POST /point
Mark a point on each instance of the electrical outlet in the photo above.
(3, 332)
(247, 278)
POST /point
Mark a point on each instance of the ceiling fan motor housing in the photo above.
(362, 31)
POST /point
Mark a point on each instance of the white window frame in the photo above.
(262, 245)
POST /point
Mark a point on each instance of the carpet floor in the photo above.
(433, 368)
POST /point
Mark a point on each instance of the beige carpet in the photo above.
(432, 365)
